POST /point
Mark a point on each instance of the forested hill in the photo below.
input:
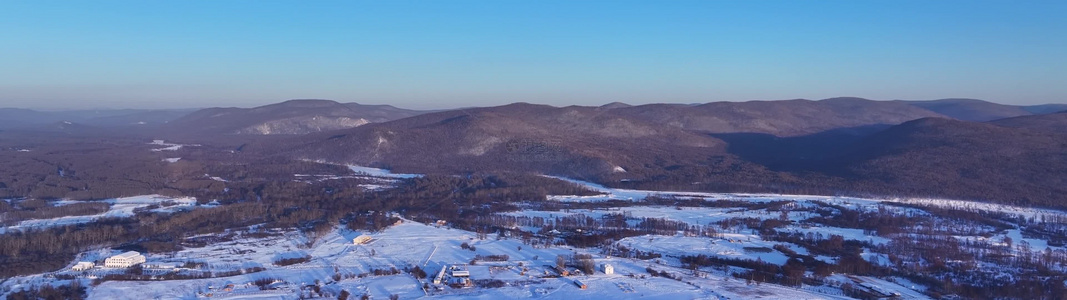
(832, 146)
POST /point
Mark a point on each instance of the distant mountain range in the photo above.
(795, 146)
(956, 148)
(577, 141)
(782, 118)
(25, 118)
(592, 140)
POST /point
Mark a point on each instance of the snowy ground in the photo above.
(691, 215)
(168, 146)
(374, 172)
(413, 244)
(731, 246)
(368, 171)
(851, 202)
(120, 208)
(337, 265)
(374, 178)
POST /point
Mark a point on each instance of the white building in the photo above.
(608, 269)
(82, 266)
(124, 260)
(360, 240)
(440, 276)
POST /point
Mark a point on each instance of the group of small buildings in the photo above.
(454, 275)
(460, 276)
(608, 269)
(120, 261)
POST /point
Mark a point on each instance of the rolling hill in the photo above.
(779, 118)
(960, 159)
(621, 147)
(289, 117)
(1052, 123)
(579, 141)
(1046, 108)
(971, 109)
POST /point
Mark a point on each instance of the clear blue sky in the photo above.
(437, 54)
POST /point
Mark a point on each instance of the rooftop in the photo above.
(128, 255)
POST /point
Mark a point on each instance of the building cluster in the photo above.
(454, 275)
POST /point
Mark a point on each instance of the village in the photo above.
(721, 251)
(409, 260)
(450, 277)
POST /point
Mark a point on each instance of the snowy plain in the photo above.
(119, 208)
(335, 261)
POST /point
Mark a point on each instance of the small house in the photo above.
(82, 266)
(360, 240)
(461, 282)
(608, 269)
(562, 271)
(580, 284)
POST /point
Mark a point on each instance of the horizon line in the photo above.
(39, 109)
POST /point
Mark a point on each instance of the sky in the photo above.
(445, 54)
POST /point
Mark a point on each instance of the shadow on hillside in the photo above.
(796, 154)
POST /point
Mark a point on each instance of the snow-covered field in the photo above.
(431, 248)
(730, 246)
(365, 171)
(851, 202)
(691, 215)
(120, 208)
(169, 146)
(334, 264)
(375, 172)
(374, 178)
